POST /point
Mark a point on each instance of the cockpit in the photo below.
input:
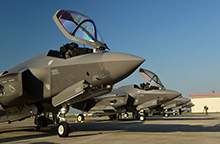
(69, 50)
(152, 80)
(146, 86)
(79, 28)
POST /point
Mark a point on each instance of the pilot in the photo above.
(147, 86)
(72, 50)
(142, 85)
(63, 51)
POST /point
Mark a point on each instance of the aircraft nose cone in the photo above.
(120, 65)
(173, 94)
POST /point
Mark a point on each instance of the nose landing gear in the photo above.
(63, 127)
(142, 115)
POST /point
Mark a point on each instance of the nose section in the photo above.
(185, 100)
(173, 94)
(120, 65)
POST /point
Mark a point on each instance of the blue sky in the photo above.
(178, 39)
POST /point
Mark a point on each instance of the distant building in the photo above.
(212, 101)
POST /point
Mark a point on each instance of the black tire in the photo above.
(142, 117)
(166, 115)
(180, 112)
(126, 115)
(42, 121)
(63, 129)
(80, 118)
(112, 117)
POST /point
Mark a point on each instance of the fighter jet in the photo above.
(51, 83)
(131, 98)
(174, 105)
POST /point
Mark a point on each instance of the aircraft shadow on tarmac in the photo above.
(35, 134)
(104, 126)
(28, 129)
(179, 118)
(144, 127)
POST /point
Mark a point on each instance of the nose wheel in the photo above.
(125, 115)
(63, 129)
(166, 115)
(80, 118)
(142, 118)
(142, 115)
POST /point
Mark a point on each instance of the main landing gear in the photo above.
(113, 117)
(42, 122)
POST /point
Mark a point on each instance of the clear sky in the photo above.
(178, 39)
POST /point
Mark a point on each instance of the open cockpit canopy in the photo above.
(151, 78)
(79, 28)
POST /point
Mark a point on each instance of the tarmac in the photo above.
(184, 129)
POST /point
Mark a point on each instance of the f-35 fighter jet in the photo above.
(52, 82)
(132, 98)
(172, 106)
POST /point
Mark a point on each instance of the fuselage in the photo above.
(45, 76)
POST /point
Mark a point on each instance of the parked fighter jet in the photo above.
(174, 105)
(130, 98)
(51, 83)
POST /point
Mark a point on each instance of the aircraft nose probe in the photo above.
(120, 65)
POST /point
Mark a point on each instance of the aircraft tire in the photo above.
(63, 129)
(42, 121)
(166, 115)
(112, 117)
(126, 115)
(80, 118)
(142, 117)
